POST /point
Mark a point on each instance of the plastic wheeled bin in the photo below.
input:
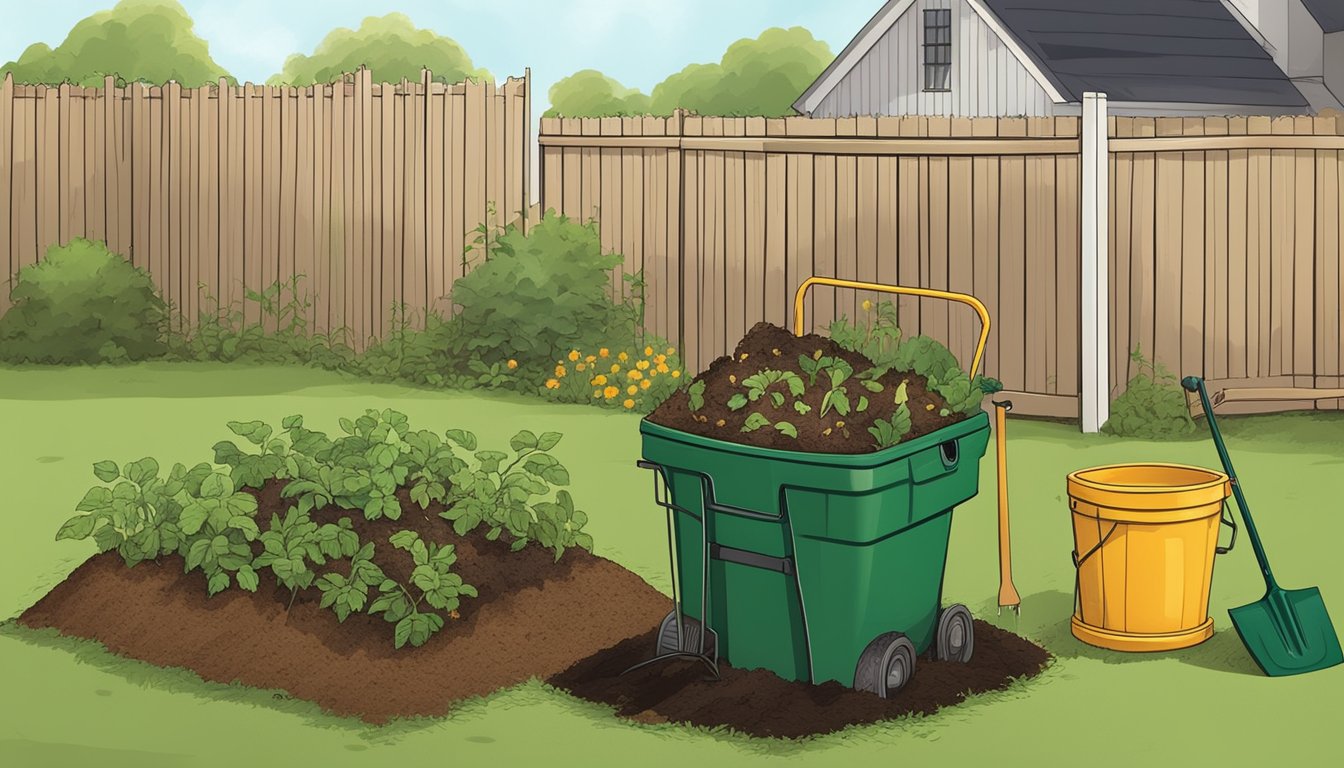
(815, 566)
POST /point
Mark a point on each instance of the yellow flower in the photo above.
(622, 357)
(635, 375)
(579, 367)
(573, 355)
(660, 359)
(559, 371)
(662, 368)
(648, 351)
(676, 374)
(653, 373)
(513, 364)
(671, 351)
(589, 358)
(642, 365)
(632, 390)
(603, 352)
(615, 368)
(597, 393)
(611, 392)
(552, 384)
(598, 380)
(867, 305)
(645, 384)
(629, 403)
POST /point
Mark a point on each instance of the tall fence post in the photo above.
(1094, 304)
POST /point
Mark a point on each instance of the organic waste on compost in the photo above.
(808, 393)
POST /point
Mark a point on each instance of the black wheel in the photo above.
(886, 665)
(667, 636)
(955, 640)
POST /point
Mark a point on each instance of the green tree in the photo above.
(763, 76)
(589, 93)
(145, 40)
(390, 46)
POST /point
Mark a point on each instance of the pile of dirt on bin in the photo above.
(759, 703)
(768, 347)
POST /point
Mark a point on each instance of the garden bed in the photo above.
(534, 617)
(758, 703)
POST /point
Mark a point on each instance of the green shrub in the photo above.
(1153, 405)
(536, 296)
(83, 304)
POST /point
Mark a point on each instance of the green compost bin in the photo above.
(812, 556)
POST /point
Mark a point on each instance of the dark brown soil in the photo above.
(759, 703)
(770, 347)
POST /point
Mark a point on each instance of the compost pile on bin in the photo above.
(808, 393)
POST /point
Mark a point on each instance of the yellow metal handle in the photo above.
(928, 292)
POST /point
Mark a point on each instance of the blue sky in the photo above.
(638, 42)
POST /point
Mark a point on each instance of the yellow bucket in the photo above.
(1144, 540)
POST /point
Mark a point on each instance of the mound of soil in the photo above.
(769, 347)
(759, 703)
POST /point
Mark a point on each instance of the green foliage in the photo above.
(344, 594)
(295, 543)
(876, 338)
(218, 524)
(761, 76)
(1153, 405)
(146, 40)
(889, 432)
(506, 491)
(538, 295)
(758, 383)
(433, 578)
(589, 93)
(696, 392)
(83, 304)
(390, 46)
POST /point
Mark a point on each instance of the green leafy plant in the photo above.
(1153, 405)
(83, 304)
(837, 395)
(877, 337)
(757, 421)
(360, 471)
(295, 543)
(696, 393)
(889, 432)
(138, 516)
(433, 578)
(251, 470)
(217, 524)
(349, 594)
(758, 383)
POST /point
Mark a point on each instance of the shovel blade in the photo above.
(1288, 632)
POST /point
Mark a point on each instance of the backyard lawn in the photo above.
(66, 702)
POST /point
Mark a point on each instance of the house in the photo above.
(991, 58)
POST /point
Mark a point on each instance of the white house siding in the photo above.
(987, 79)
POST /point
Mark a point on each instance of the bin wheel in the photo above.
(886, 665)
(955, 640)
(667, 636)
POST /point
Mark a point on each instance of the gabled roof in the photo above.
(1186, 51)
(1153, 51)
(1328, 13)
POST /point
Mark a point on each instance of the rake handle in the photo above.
(1196, 384)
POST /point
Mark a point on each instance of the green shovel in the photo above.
(1288, 631)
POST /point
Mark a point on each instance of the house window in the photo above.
(938, 50)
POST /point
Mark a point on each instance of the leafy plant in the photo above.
(438, 586)
(217, 524)
(1153, 405)
(349, 594)
(138, 516)
(294, 542)
(877, 337)
(758, 420)
(251, 470)
(889, 432)
(758, 383)
(360, 471)
(837, 395)
(697, 395)
(83, 304)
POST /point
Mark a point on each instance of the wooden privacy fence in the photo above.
(370, 190)
(726, 216)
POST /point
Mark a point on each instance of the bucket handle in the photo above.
(964, 298)
(1227, 520)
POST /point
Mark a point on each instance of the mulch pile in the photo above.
(770, 347)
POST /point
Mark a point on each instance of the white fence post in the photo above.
(1095, 304)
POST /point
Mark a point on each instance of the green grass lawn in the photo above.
(69, 703)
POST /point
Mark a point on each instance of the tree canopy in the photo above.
(589, 93)
(758, 77)
(390, 46)
(144, 40)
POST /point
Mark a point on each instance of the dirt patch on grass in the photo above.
(769, 347)
(759, 703)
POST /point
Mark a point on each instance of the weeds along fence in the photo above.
(371, 191)
(1224, 235)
